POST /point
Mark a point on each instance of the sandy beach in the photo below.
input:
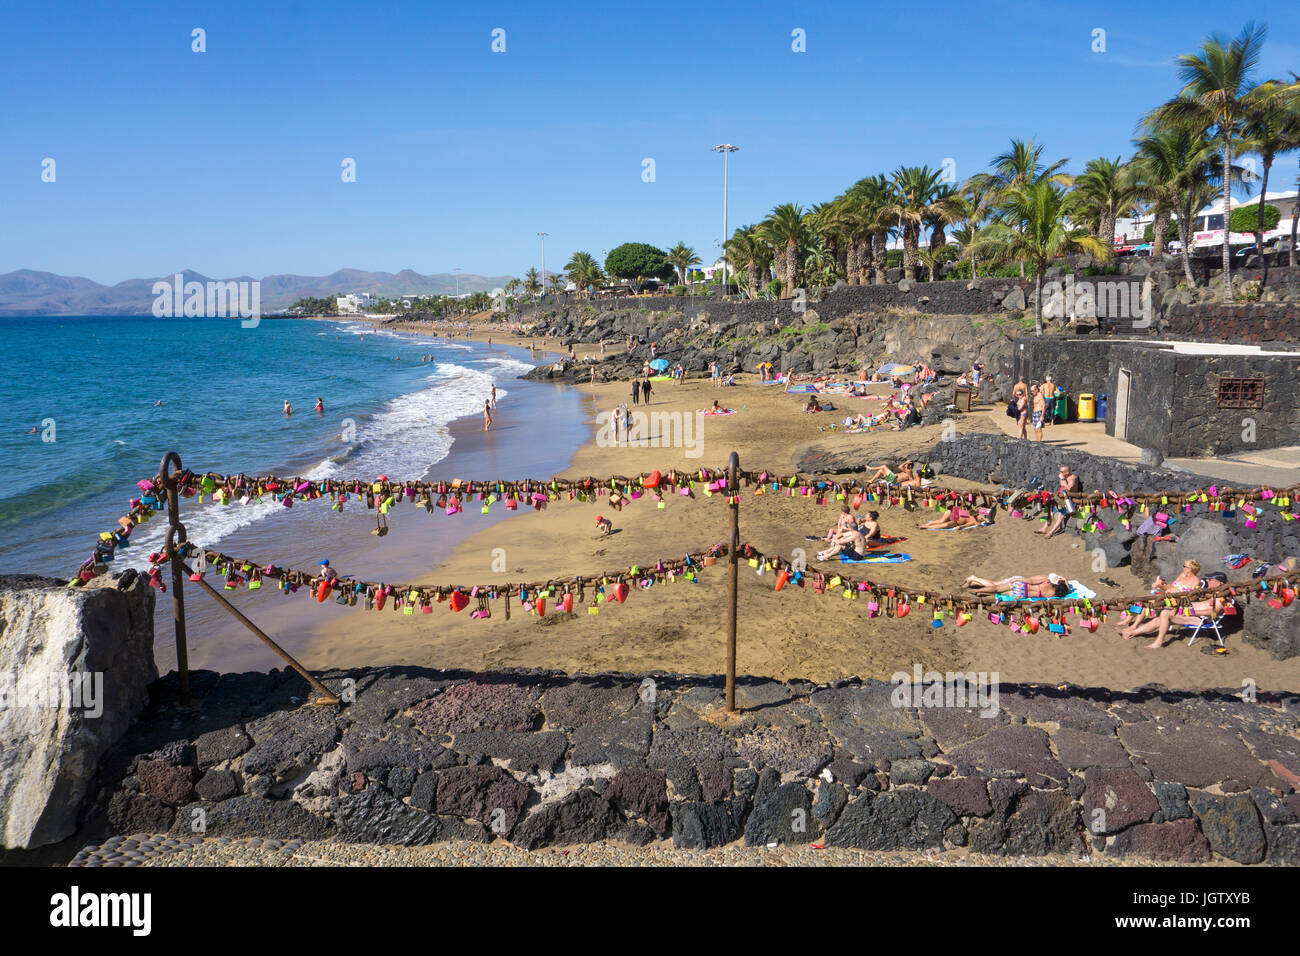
(792, 634)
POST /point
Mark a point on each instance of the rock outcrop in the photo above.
(75, 667)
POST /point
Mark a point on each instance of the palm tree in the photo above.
(681, 257)
(1175, 170)
(1042, 210)
(584, 271)
(748, 251)
(1021, 165)
(819, 263)
(786, 230)
(1216, 96)
(974, 207)
(919, 197)
(1272, 128)
(531, 282)
(1106, 191)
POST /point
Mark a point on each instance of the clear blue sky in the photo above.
(228, 161)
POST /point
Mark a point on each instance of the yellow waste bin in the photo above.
(1087, 405)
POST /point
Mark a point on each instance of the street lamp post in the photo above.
(543, 235)
(457, 272)
(724, 149)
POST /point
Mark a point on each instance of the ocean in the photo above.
(90, 387)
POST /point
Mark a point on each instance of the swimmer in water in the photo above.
(288, 409)
(158, 404)
(320, 405)
(34, 430)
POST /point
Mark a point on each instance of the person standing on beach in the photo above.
(494, 395)
(645, 392)
(1022, 414)
(1050, 393)
(593, 375)
(636, 392)
(1039, 410)
(487, 416)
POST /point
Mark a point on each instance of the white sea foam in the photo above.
(403, 440)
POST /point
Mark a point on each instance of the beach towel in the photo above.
(889, 557)
(722, 411)
(802, 389)
(968, 527)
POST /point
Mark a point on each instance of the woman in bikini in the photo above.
(1019, 587)
(1211, 607)
(954, 517)
(1189, 578)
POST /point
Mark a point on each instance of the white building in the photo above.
(1207, 224)
(353, 302)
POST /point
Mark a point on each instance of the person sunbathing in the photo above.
(1188, 579)
(954, 517)
(884, 473)
(813, 405)
(849, 543)
(842, 524)
(1212, 606)
(1019, 587)
(870, 526)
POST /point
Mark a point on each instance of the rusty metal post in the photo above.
(175, 531)
(733, 570)
(326, 695)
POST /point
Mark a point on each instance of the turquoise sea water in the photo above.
(89, 386)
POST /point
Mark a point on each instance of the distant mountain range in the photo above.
(27, 292)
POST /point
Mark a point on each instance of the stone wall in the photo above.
(1173, 404)
(545, 759)
(1251, 322)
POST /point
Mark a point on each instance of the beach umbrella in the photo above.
(895, 368)
(659, 364)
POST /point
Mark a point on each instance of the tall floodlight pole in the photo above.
(724, 149)
(543, 235)
(457, 270)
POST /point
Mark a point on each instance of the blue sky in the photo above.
(229, 161)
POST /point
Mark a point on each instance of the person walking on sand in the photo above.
(487, 416)
(645, 392)
(494, 395)
(636, 392)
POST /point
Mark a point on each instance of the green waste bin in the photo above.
(1087, 407)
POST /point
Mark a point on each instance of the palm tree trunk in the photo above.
(755, 278)
(1295, 221)
(1259, 224)
(791, 265)
(864, 260)
(910, 240)
(880, 254)
(1159, 227)
(1038, 300)
(1184, 237)
(1227, 219)
(851, 265)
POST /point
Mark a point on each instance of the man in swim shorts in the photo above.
(850, 543)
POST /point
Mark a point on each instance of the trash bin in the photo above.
(1087, 407)
(961, 398)
(1101, 407)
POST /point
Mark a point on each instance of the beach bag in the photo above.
(1012, 411)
